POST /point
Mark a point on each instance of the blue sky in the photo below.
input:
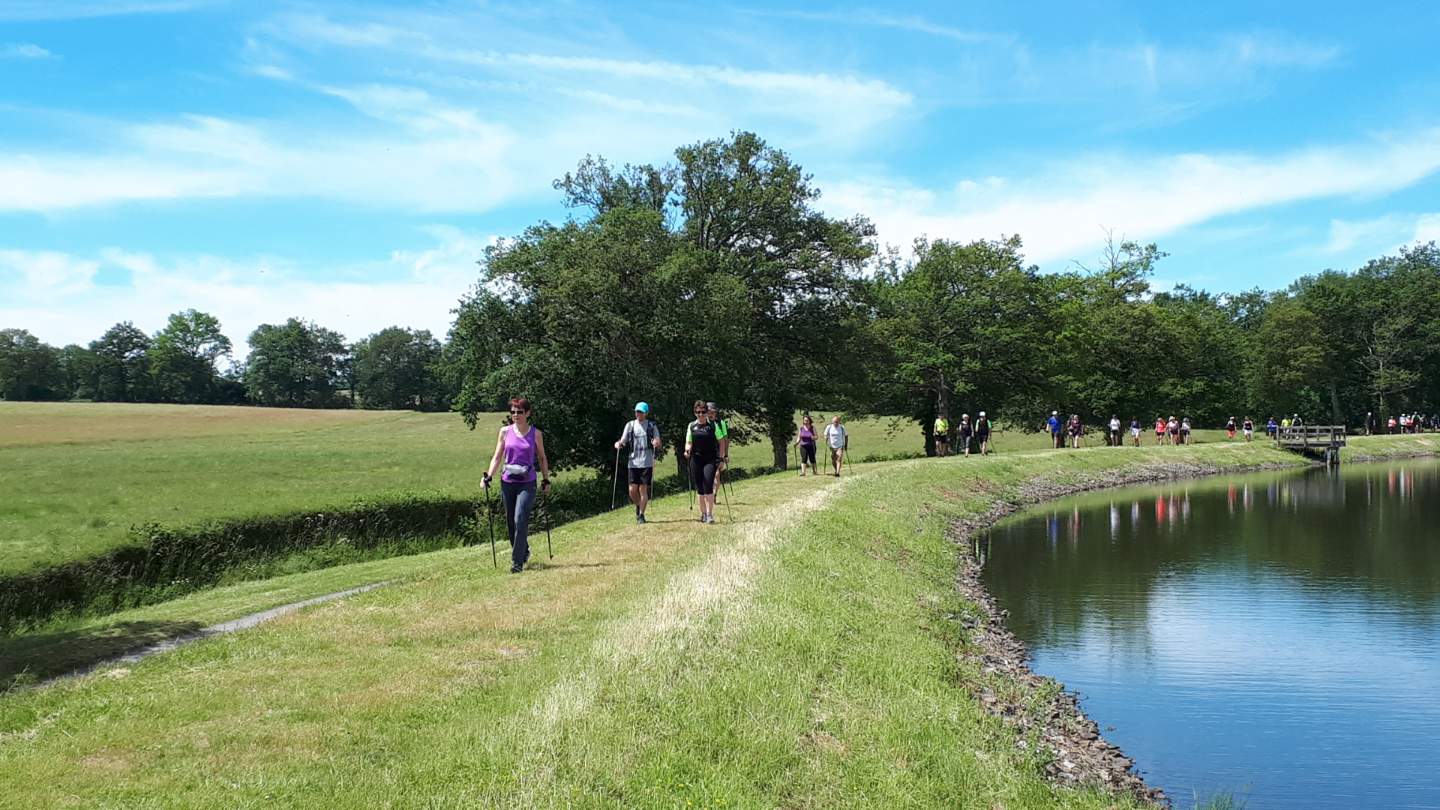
(348, 162)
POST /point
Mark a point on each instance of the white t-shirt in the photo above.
(1115, 424)
(835, 435)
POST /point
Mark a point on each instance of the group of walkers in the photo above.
(520, 461)
(967, 435)
(707, 452)
(836, 437)
(1173, 431)
(1404, 423)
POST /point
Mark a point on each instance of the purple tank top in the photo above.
(807, 435)
(519, 450)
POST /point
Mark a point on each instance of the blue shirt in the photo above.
(1054, 424)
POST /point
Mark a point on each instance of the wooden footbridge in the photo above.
(1316, 441)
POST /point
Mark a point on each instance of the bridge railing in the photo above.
(1306, 436)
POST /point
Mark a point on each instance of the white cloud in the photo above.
(1275, 51)
(845, 106)
(23, 50)
(48, 273)
(451, 161)
(881, 19)
(1063, 210)
(54, 295)
(1427, 228)
(29, 10)
(1380, 235)
(1345, 235)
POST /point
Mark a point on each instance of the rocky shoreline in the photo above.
(1038, 707)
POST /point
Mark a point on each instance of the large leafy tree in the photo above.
(295, 364)
(585, 319)
(398, 368)
(122, 364)
(714, 278)
(749, 211)
(183, 357)
(960, 327)
(1287, 360)
(30, 369)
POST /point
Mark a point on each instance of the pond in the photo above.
(1274, 638)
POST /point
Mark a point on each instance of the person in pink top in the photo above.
(805, 441)
(520, 447)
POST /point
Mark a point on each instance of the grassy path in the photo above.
(809, 654)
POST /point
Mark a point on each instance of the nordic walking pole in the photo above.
(549, 549)
(615, 479)
(490, 519)
(689, 485)
(720, 476)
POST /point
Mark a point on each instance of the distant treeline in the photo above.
(295, 364)
(716, 276)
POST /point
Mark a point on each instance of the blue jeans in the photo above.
(519, 500)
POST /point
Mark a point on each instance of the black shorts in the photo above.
(807, 453)
(641, 475)
(702, 475)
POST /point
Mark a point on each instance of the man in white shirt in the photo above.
(839, 442)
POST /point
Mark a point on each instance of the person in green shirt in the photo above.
(942, 436)
(722, 432)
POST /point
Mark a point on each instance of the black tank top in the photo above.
(703, 444)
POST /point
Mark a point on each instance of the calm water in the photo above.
(1275, 637)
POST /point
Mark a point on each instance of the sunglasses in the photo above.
(516, 411)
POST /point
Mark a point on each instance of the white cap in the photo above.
(982, 413)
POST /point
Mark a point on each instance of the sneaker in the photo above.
(515, 569)
(640, 518)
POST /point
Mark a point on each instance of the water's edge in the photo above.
(1039, 705)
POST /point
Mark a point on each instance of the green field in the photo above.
(77, 476)
(803, 655)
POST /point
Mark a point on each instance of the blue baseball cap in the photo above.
(642, 407)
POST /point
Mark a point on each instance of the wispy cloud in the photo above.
(54, 295)
(1427, 228)
(23, 50)
(843, 103)
(47, 273)
(883, 19)
(28, 10)
(1378, 235)
(490, 127)
(1062, 210)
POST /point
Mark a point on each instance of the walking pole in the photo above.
(689, 485)
(549, 549)
(720, 476)
(615, 479)
(490, 519)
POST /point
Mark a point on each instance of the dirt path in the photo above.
(231, 626)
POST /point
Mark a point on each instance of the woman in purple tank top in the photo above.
(806, 442)
(520, 447)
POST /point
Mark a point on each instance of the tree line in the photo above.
(294, 364)
(716, 276)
